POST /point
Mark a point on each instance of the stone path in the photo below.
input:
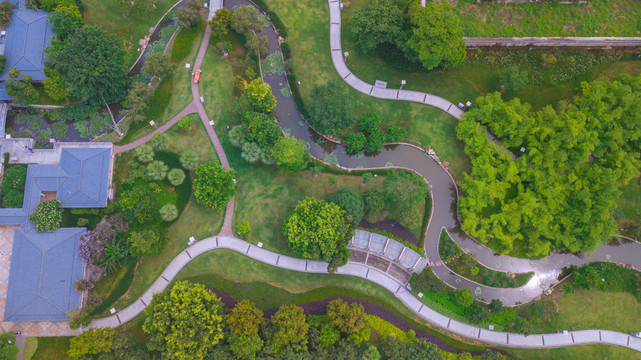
(583, 337)
(554, 42)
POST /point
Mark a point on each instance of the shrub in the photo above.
(176, 177)
(145, 243)
(213, 185)
(189, 160)
(139, 205)
(14, 178)
(48, 216)
(12, 199)
(350, 201)
(83, 285)
(159, 141)
(78, 318)
(185, 123)
(244, 228)
(82, 222)
(168, 212)
(157, 170)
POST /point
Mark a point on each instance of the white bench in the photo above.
(191, 241)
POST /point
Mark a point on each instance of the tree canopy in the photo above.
(290, 328)
(213, 185)
(316, 229)
(437, 36)
(561, 192)
(244, 318)
(91, 342)
(184, 322)
(376, 22)
(350, 201)
(329, 109)
(8, 350)
(291, 153)
(92, 64)
(259, 95)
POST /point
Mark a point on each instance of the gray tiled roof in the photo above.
(27, 37)
(87, 182)
(43, 269)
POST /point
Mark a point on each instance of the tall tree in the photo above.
(290, 328)
(316, 229)
(65, 20)
(184, 322)
(213, 185)
(92, 64)
(221, 23)
(91, 342)
(348, 318)
(291, 153)
(259, 95)
(329, 109)
(350, 201)
(244, 318)
(376, 22)
(157, 64)
(437, 36)
(190, 15)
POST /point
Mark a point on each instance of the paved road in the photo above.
(583, 337)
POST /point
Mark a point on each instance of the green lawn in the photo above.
(589, 352)
(629, 212)
(595, 18)
(120, 19)
(196, 220)
(52, 348)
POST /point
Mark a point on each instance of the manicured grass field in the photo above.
(589, 352)
(52, 348)
(594, 18)
(629, 212)
(118, 18)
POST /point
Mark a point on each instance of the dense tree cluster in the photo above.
(213, 185)
(431, 35)
(329, 109)
(561, 192)
(316, 229)
(372, 137)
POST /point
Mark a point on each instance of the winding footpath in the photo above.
(443, 216)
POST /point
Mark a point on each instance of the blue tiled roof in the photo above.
(87, 181)
(27, 37)
(44, 267)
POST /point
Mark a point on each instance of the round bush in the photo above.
(157, 170)
(14, 178)
(48, 216)
(189, 160)
(168, 212)
(12, 199)
(144, 153)
(185, 123)
(176, 177)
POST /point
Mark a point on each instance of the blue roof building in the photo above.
(24, 44)
(45, 265)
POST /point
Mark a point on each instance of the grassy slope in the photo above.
(596, 18)
(114, 17)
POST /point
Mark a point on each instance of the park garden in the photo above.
(277, 186)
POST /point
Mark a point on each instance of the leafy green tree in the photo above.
(189, 160)
(437, 36)
(374, 202)
(464, 298)
(47, 216)
(291, 153)
(139, 205)
(54, 84)
(355, 143)
(244, 228)
(522, 326)
(185, 123)
(157, 170)
(92, 64)
(176, 176)
(221, 23)
(144, 153)
(329, 109)
(157, 64)
(184, 322)
(168, 212)
(137, 100)
(261, 129)
(376, 22)
(369, 122)
(8, 348)
(404, 189)
(259, 96)
(6, 11)
(316, 229)
(65, 20)
(124, 347)
(412, 217)
(329, 335)
(491, 355)
(145, 243)
(350, 201)
(190, 15)
(244, 318)
(250, 152)
(375, 141)
(291, 328)
(91, 342)
(22, 91)
(159, 141)
(245, 20)
(395, 133)
(496, 305)
(245, 346)
(586, 277)
(213, 185)
(394, 348)
(348, 318)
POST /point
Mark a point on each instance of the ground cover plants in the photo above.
(595, 18)
(13, 184)
(466, 265)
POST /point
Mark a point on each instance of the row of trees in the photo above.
(189, 322)
(561, 192)
(431, 35)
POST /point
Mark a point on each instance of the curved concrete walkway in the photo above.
(584, 337)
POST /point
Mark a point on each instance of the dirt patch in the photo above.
(392, 227)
